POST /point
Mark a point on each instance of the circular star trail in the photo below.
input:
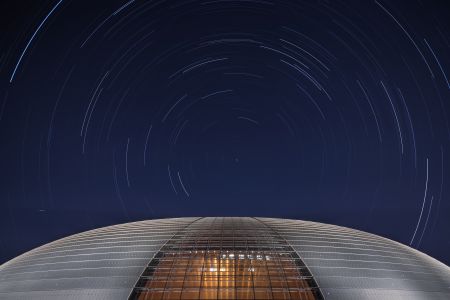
(334, 111)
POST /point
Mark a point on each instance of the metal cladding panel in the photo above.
(104, 263)
(84, 294)
(344, 294)
(350, 264)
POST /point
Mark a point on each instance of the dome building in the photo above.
(224, 258)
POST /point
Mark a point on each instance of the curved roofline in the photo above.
(199, 217)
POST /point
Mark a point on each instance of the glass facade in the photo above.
(232, 258)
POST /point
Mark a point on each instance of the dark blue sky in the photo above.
(331, 111)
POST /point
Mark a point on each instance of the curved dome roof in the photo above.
(224, 258)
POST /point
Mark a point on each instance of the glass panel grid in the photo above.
(226, 259)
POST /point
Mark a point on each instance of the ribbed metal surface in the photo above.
(351, 264)
(106, 263)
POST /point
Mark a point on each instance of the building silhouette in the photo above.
(224, 258)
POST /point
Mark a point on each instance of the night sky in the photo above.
(332, 111)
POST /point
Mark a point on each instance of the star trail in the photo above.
(330, 111)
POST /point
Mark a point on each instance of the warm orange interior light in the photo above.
(225, 274)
